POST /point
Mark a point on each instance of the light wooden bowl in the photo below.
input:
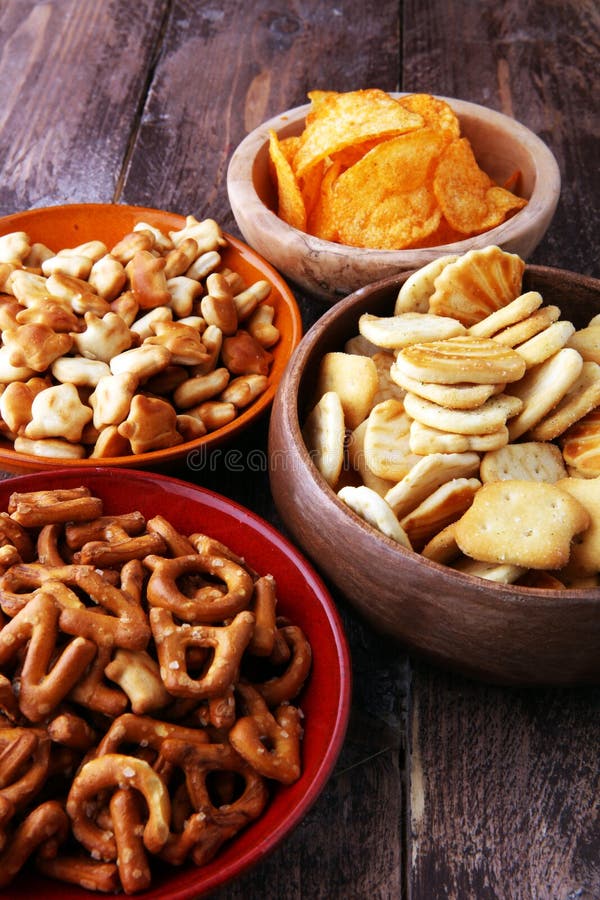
(68, 226)
(329, 270)
(500, 633)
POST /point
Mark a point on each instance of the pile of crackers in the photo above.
(466, 425)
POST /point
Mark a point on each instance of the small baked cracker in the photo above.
(545, 344)
(442, 548)
(414, 294)
(580, 399)
(357, 459)
(452, 396)
(587, 342)
(542, 388)
(476, 284)
(395, 332)
(387, 441)
(515, 311)
(374, 510)
(581, 445)
(387, 387)
(428, 474)
(324, 434)
(585, 552)
(445, 505)
(460, 359)
(527, 328)
(424, 440)
(354, 380)
(524, 523)
(485, 419)
(501, 573)
(528, 461)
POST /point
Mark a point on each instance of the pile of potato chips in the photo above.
(370, 170)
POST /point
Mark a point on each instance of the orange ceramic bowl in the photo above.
(68, 226)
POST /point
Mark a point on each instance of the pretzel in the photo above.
(109, 772)
(9, 705)
(128, 823)
(93, 693)
(34, 509)
(126, 627)
(198, 763)
(72, 731)
(48, 545)
(172, 643)
(79, 533)
(263, 606)
(36, 627)
(288, 685)
(208, 604)
(24, 764)
(83, 871)
(177, 544)
(138, 676)
(109, 553)
(43, 830)
(269, 742)
(13, 533)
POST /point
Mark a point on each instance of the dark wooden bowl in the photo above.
(500, 633)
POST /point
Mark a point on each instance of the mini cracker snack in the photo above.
(485, 459)
(370, 170)
(114, 349)
(149, 693)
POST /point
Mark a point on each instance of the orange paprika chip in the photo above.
(468, 198)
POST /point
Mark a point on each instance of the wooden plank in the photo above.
(71, 77)
(504, 783)
(225, 69)
(537, 62)
(505, 791)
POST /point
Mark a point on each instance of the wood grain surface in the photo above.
(446, 788)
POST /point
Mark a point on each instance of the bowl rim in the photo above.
(269, 536)
(543, 200)
(32, 462)
(507, 593)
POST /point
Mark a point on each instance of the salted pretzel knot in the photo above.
(127, 822)
(24, 764)
(43, 686)
(208, 604)
(44, 830)
(268, 741)
(173, 642)
(199, 762)
(108, 773)
(288, 685)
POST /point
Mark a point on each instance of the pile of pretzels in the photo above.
(148, 693)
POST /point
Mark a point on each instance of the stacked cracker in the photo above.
(112, 351)
(466, 426)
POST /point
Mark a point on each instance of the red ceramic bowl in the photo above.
(325, 700)
(68, 226)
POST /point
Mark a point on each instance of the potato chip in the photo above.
(386, 200)
(468, 198)
(321, 220)
(436, 113)
(340, 120)
(290, 203)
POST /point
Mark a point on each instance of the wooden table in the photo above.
(445, 788)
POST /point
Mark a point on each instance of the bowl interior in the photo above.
(501, 146)
(302, 596)
(68, 226)
(488, 630)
